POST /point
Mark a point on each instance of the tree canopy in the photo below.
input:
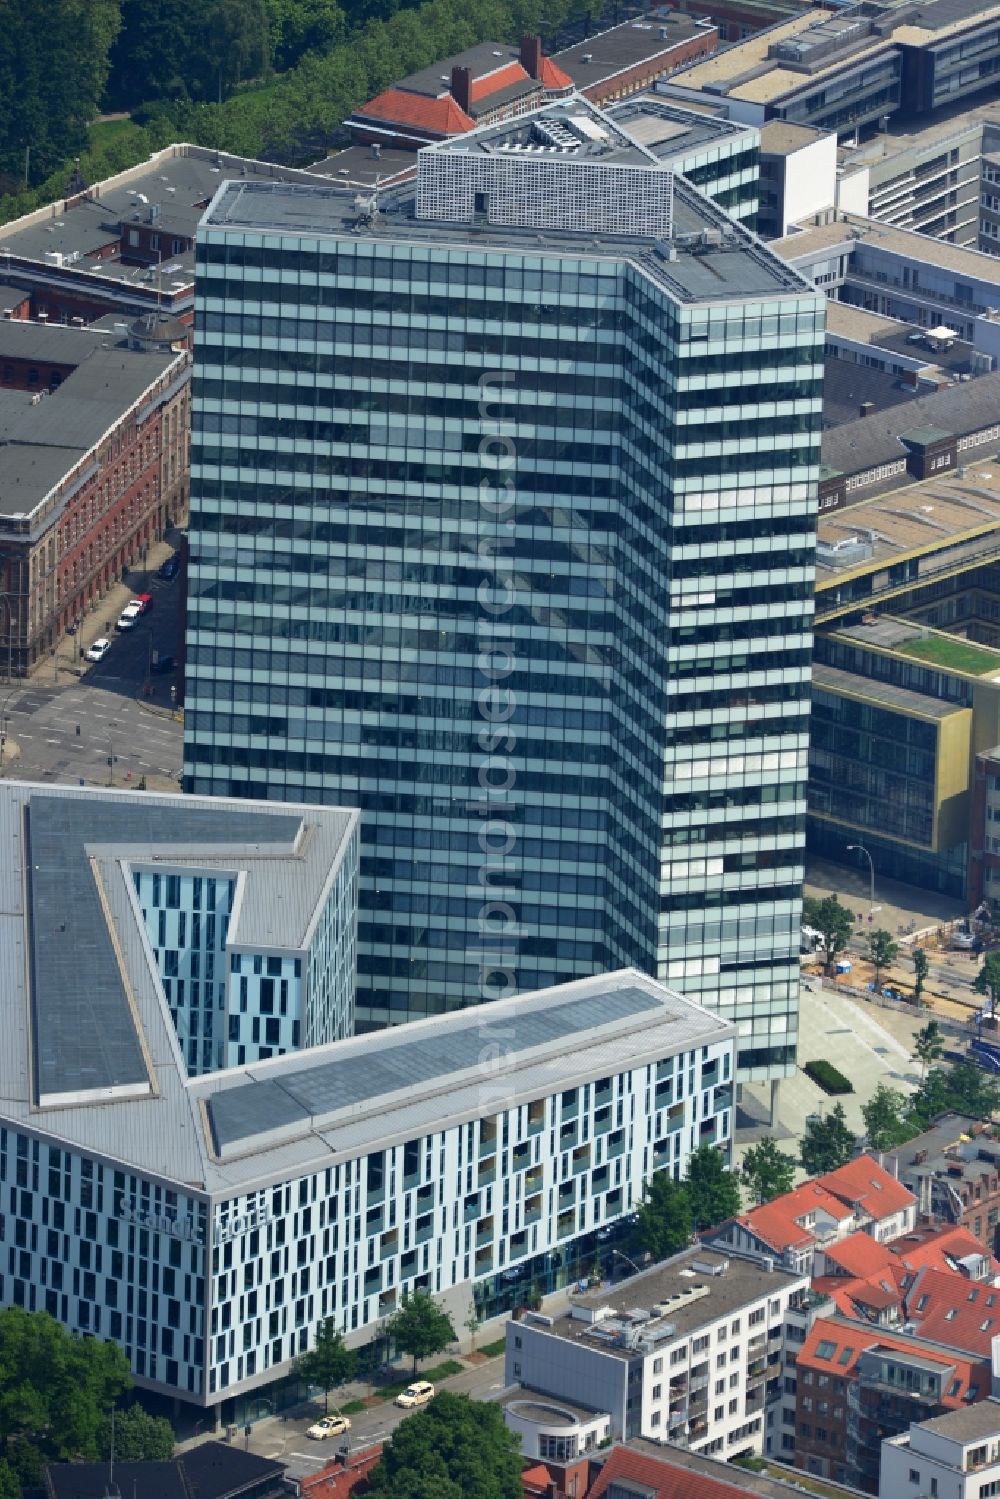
(882, 950)
(664, 1216)
(56, 1390)
(138, 1436)
(987, 980)
(928, 1045)
(827, 1142)
(54, 58)
(767, 1171)
(887, 1118)
(830, 918)
(455, 1448)
(329, 1363)
(420, 1328)
(713, 1191)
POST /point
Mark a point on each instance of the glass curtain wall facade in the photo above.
(514, 551)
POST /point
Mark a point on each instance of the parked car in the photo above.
(127, 618)
(143, 602)
(416, 1394)
(329, 1426)
(169, 569)
(98, 650)
(163, 664)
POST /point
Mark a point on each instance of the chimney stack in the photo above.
(461, 87)
(531, 56)
(867, 407)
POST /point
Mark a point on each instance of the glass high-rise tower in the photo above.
(502, 529)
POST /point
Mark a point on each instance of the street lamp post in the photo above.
(860, 849)
(3, 723)
(111, 761)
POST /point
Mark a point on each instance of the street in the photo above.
(285, 1439)
(65, 727)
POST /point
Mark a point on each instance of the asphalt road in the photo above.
(66, 727)
(285, 1439)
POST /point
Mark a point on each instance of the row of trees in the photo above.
(419, 1329)
(57, 1392)
(181, 67)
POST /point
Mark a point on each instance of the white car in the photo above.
(128, 617)
(416, 1394)
(99, 650)
(329, 1426)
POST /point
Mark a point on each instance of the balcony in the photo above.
(488, 1173)
(533, 1210)
(533, 1181)
(485, 1233)
(484, 1261)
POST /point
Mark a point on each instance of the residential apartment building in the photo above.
(799, 1225)
(858, 1383)
(93, 467)
(688, 1352)
(955, 1456)
(207, 1220)
(456, 572)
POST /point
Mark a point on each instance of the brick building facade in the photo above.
(93, 464)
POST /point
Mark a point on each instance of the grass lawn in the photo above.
(103, 133)
(494, 1350)
(958, 655)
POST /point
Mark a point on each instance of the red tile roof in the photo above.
(865, 1184)
(939, 1247)
(948, 1308)
(396, 107)
(335, 1482)
(848, 1343)
(776, 1222)
(665, 1479)
(500, 78)
(858, 1255)
(553, 77)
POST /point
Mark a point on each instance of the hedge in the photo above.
(828, 1077)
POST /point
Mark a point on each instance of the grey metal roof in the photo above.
(743, 267)
(85, 1033)
(972, 1423)
(875, 439)
(392, 1068)
(609, 52)
(164, 1131)
(921, 704)
(42, 439)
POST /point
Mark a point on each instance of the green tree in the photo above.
(455, 1448)
(329, 1363)
(713, 1191)
(53, 64)
(921, 968)
(767, 1171)
(827, 1142)
(138, 1436)
(928, 1046)
(420, 1328)
(833, 920)
(472, 1324)
(886, 1116)
(987, 980)
(882, 950)
(55, 1391)
(664, 1224)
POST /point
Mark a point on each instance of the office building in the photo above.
(93, 466)
(852, 71)
(207, 1220)
(688, 1352)
(504, 534)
